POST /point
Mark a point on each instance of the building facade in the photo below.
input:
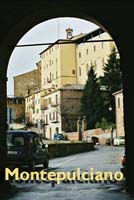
(56, 111)
(63, 69)
(93, 54)
(119, 109)
(15, 110)
(25, 84)
(58, 65)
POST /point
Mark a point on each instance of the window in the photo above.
(50, 130)
(49, 100)
(79, 71)
(86, 51)
(94, 48)
(46, 119)
(95, 65)
(56, 99)
(17, 102)
(118, 102)
(73, 72)
(50, 77)
(37, 111)
(49, 116)
(103, 62)
(79, 54)
(56, 74)
(15, 140)
(53, 115)
(57, 116)
(102, 45)
(87, 68)
(47, 80)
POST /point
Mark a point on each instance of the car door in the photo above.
(41, 153)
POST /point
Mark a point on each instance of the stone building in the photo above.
(119, 109)
(63, 68)
(15, 109)
(26, 83)
(65, 62)
(33, 108)
(56, 110)
(93, 54)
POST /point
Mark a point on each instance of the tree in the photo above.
(103, 124)
(112, 80)
(91, 101)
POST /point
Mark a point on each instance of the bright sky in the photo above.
(23, 59)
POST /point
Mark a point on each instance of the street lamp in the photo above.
(110, 108)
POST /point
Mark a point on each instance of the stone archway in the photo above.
(18, 18)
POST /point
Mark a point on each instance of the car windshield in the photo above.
(15, 140)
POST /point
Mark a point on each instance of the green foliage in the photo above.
(91, 100)
(105, 125)
(95, 103)
(112, 80)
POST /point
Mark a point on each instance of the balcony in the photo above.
(55, 120)
(44, 106)
(54, 104)
(33, 106)
(46, 124)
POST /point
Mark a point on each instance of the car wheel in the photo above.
(45, 165)
(32, 165)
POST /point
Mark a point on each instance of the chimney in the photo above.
(69, 32)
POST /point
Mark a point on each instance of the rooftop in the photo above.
(77, 38)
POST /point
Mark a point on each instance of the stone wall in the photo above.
(102, 135)
(65, 149)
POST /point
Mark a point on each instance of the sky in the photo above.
(23, 59)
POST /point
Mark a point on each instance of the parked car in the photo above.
(25, 148)
(58, 136)
(120, 140)
(95, 140)
(88, 139)
(123, 162)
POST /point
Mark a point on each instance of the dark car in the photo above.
(58, 136)
(25, 148)
(95, 140)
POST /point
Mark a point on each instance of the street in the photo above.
(103, 158)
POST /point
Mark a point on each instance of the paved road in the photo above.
(104, 158)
